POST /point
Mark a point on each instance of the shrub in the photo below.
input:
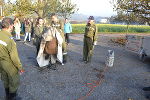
(113, 28)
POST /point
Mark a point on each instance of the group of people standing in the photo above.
(36, 30)
(58, 33)
(50, 40)
(25, 26)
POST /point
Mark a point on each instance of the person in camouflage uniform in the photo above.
(90, 37)
(38, 32)
(10, 65)
(59, 25)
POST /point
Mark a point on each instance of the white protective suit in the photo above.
(52, 32)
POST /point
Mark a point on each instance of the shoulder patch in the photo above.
(3, 43)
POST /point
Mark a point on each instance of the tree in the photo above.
(67, 9)
(126, 19)
(134, 9)
(43, 8)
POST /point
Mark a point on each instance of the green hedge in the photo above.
(113, 28)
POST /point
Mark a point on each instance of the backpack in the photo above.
(51, 46)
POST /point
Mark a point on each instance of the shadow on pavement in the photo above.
(76, 42)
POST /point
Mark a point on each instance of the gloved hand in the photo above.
(95, 43)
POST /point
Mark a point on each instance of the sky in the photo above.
(95, 7)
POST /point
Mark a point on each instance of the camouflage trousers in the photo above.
(87, 49)
(9, 76)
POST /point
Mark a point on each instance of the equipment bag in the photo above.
(51, 46)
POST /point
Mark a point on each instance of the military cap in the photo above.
(91, 18)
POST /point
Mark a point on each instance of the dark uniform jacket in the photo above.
(39, 30)
(8, 51)
(91, 31)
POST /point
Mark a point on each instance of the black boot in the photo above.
(52, 66)
(65, 58)
(148, 97)
(46, 57)
(7, 93)
(146, 89)
(13, 96)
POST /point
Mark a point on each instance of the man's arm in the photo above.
(95, 33)
(14, 55)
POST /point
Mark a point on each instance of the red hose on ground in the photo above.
(95, 83)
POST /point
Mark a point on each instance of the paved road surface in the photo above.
(122, 82)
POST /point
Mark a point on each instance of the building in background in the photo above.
(104, 21)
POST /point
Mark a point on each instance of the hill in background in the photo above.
(83, 18)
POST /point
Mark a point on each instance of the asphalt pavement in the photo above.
(79, 81)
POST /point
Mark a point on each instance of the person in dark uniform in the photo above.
(90, 38)
(38, 32)
(10, 65)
